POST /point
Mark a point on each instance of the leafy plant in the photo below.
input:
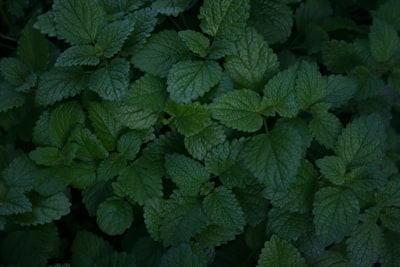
(200, 133)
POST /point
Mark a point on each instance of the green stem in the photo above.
(265, 125)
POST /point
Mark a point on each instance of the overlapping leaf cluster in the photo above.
(202, 133)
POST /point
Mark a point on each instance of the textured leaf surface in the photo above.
(111, 81)
(78, 21)
(222, 207)
(152, 211)
(188, 80)
(275, 157)
(114, 216)
(340, 90)
(333, 168)
(280, 253)
(111, 166)
(47, 156)
(253, 61)
(384, 40)
(20, 174)
(183, 255)
(336, 211)
(9, 98)
(78, 55)
(90, 147)
(239, 109)
(225, 18)
(195, 41)
(14, 71)
(171, 7)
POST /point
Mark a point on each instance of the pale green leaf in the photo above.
(58, 84)
(47, 156)
(195, 41)
(161, 51)
(253, 61)
(336, 212)
(189, 80)
(78, 21)
(274, 157)
(63, 119)
(384, 40)
(222, 208)
(46, 24)
(111, 81)
(362, 141)
(239, 109)
(280, 253)
(78, 55)
(364, 244)
(183, 255)
(332, 168)
(171, 7)
(112, 37)
(280, 94)
(189, 175)
(9, 98)
(114, 216)
(225, 18)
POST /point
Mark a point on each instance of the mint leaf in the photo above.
(225, 18)
(387, 11)
(96, 194)
(340, 90)
(340, 56)
(9, 98)
(15, 72)
(117, 259)
(189, 175)
(78, 55)
(20, 174)
(129, 145)
(195, 41)
(47, 156)
(239, 109)
(161, 51)
(336, 212)
(152, 211)
(14, 202)
(189, 80)
(253, 203)
(171, 7)
(111, 81)
(389, 195)
(58, 84)
(215, 235)
(46, 24)
(78, 21)
(362, 141)
(333, 168)
(90, 147)
(274, 157)
(280, 94)
(112, 37)
(390, 217)
(111, 166)
(33, 48)
(62, 120)
(82, 175)
(114, 216)
(384, 40)
(364, 244)
(280, 253)
(183, 255)
(222, 208)
(310, 85)
(253, 61)
(389, 250)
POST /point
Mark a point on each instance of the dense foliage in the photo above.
(200, 133)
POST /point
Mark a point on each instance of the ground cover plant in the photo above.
(199, 133)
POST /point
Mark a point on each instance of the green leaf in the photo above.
(390, 218)
(82, 175)
(198, 145)
(90, 147)
(220, 48)
(384, 40)
(369, 83)
(310, 85)
(129, 145)
(78, 55)
(20, 174)
(117, 259)
(332, 258)
(362, 141)
(63, 119)
(105, 125)
(9, 98)
(46, 24)
(389, 251)
(161, 51)
(189, 119)
(336, 212)
(273, 19)
(274, 157)
(111, 166)
(253, 203)
(324, 126)
(312, 11)
(152, 211)
(364, 244)
(394, 80)
(32, 246)
(189, 80)
(111, 81)
(333, 168)
(112, 37)
(14, 202)
(78, 21)
(222, 208)
(15, 71)
(239, 109)
(183, 255)
(196, 42)
(226, 18)
(47, 156)
(280, 94)
(171, 7)
(58, 84)
(114, 216)
(182, 218)
(189, 175)
(340, 90)
(388, 11)
(253, 61)
(124, 6)
(389, 195)
(215, 235)
(280, 253)
(140, 183)
(44, 209)
(88, 248)
(340, 56)
(96, 194)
